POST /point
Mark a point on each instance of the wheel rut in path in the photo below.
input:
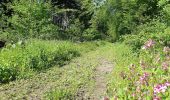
(102, 70)
(100, 89)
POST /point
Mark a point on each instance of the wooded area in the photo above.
(129, 41)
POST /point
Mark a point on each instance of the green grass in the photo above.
(124, 56)
(142, 75)
(67, 80)
(22, 60)
(62, 83)
(80, 75)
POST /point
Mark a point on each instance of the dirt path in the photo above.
(99, 91)
(88, 72)
(101, 80)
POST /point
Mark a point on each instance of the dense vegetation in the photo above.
(38, 34)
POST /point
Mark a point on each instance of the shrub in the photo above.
(23, 59)
(7, 73)
(155, 30)
(75, 30)
(18, 59)
(30, 19)
(103, 23)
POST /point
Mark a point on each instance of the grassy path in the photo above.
(100, 90)
(84, 78)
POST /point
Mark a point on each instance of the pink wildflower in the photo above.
(168, 57)
(167, 83)
(106, 98)
(161, 88)
(156, 98)
(144, 78)
(133, 94)
(145, 74)
(166, 49)
(165, 66)
(150, 43)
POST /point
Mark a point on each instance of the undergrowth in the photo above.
(25, 58)
(78, 81)
(141, 76)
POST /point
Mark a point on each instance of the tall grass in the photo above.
(124, 56)
(145, 76)
(20, 59)
(23, 59)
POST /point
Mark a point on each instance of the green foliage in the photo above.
(166, 12)
(30, 19)
(92, 19)
(123, 57)
(79, 75)
(80, 25)
(154, 30)
(22, 59)
(7, 74)
(112, 19)
(17, 60)
(86, 12)
(100, 22)
(74, 32)
(79, 14)
(62, 94)
(119, 17)
(145, 78)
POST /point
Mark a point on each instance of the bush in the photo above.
(19, 59)
(104, 23)
(154, 30)
(7, 74)
(75, 30)
(23, 59)
(30, 19)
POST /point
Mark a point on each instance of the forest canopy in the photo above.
(118, 48)
(88, 19)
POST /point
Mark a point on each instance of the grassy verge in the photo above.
(143, 76)
(78, 80)
(124, 56)
(22, 60)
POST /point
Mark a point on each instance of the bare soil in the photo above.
(99, 91)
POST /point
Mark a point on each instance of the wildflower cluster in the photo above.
(161, 88)
(165, 66)
(144, 78)
(149, 79)
(150, 43)
(166, 49)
